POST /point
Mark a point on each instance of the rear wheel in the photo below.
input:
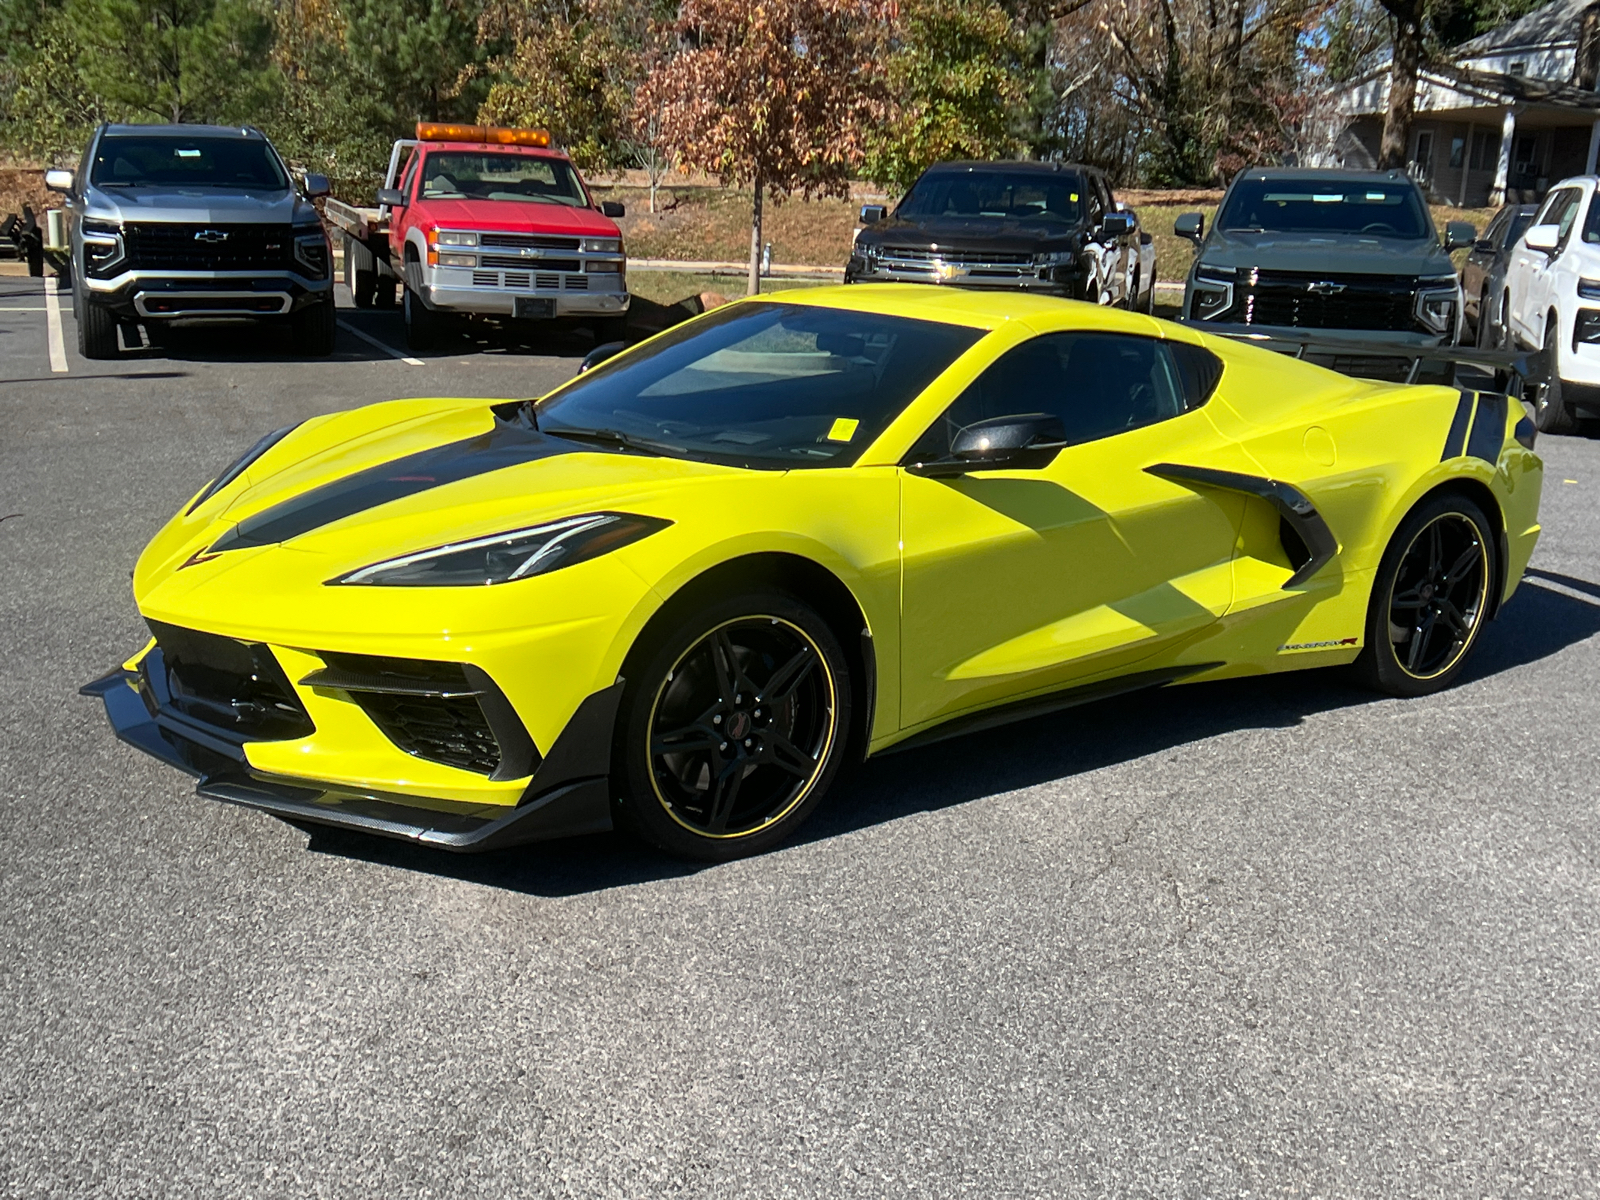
(314, 329)
(97, 330)
(1550, 411)
(1430, 598)
(734, 727)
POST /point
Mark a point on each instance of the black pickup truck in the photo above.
(1053, 228)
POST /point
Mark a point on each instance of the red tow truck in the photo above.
(485, 222)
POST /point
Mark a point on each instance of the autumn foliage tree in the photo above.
(774, 95)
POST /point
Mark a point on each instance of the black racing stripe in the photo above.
(1488, 428)
(508, 444)
(1455, 441)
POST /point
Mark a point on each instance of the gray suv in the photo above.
(176, 221)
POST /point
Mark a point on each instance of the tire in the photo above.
(1483, 335)
(360, 272)
(313, 329)
(97, 331)
(422, 323)
(1148, 305)
(383, 295)
(1430, 599)
(732, 727)
(1550, 411)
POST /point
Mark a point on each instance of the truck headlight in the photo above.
(1436, 309)
(451, 237)
(311, 252)
(457, 260)
(504, 557)
(102, 245)
(602, 245)
(1586, 326)
(1212, 295)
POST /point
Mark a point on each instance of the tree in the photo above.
(953, 75)
(774, 95)
(176, 60)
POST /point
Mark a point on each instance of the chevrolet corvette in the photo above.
(679, 592)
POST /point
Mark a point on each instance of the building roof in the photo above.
(1556, 24)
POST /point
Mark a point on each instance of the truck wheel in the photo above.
(422, 323)
(1550, 411)
(97, 330)
(382, 291)
(314, 329)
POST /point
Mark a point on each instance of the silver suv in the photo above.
(175, 221)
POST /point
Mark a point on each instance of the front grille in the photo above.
(547, 281)
(526, 241)
(486, 279)
(428, 709)
(1285, 298)
(957, 258)
(548, 264)
(576, 283)
(235, 687)
(516, 279)
(174, 247)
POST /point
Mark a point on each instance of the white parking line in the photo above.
(52, 308)
(389, 350)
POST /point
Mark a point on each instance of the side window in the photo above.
(1568, 213)
(1094, 204)
(1099, 384)
(1495, 234)
(410, 176)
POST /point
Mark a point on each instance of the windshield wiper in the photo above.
(615, 437)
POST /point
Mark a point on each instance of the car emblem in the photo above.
(1325, 287)
(211, 235)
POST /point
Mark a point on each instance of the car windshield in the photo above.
(762, 384)
(231, 162)
(464, 175)
(1389, 210)
(1015, 195)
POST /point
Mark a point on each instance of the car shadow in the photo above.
(1537, 623)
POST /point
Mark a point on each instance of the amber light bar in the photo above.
(434, 131)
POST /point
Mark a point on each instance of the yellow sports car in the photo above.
(677, 593)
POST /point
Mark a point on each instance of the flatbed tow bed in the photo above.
(364, 236)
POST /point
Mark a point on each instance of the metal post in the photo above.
(1466, 165)
(766, 259)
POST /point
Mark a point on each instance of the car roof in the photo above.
(186, 131)
(1024, 166)
(1328, 173)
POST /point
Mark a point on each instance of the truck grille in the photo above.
(524, 264)
(172, 247)
(235, 687)
(525, 241)
(958, 258)
(1285, 299)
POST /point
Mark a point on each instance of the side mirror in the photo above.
(1483, 246)
(393, 197)
(58, 181)
(1025, 442)
(612, 209)
(317, 185)
(1543, 237)
(871, 214)
(1458, 234)
(599, 354)
(1191, 226)
(1117, 224)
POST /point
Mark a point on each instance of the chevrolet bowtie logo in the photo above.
(1325, 288)
(211, 235)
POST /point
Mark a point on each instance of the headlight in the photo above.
(102, 246)
(602, 245)
(457, 260)
(1213, 294)
(240, 464)
(453, 238)
(1586, 327)
(1054, 258)
(1437, 309)
(1589, 289)
(311, 252)
(503, 557)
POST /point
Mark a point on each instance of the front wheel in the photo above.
(313, 329)
(1430, 598)
(733, 727)
(1550, 411)
(97, 330)
(423, 325)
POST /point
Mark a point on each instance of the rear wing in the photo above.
(1512, 371)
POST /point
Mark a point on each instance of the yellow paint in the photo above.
(976, 591)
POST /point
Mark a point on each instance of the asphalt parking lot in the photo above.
(1258, 938)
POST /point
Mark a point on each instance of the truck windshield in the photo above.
(765, 385)
(467, 175)
(1389, 210)
(135, 161)
(1014, 195)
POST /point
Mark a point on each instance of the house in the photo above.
(1512, 111)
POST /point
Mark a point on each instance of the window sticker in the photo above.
(1374, 195)
(188, 154)
(843, 429)
(1073, 197)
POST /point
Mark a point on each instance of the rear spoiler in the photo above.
(1525, 370)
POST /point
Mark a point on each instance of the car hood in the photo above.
(199, 205)
(394, 478)
(964, 233)
(517, 216)
(1346, 255)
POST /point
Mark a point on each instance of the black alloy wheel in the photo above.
(736, 728)
(1430, 598)
(1550, 410)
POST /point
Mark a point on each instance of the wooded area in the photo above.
(1158, 92)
